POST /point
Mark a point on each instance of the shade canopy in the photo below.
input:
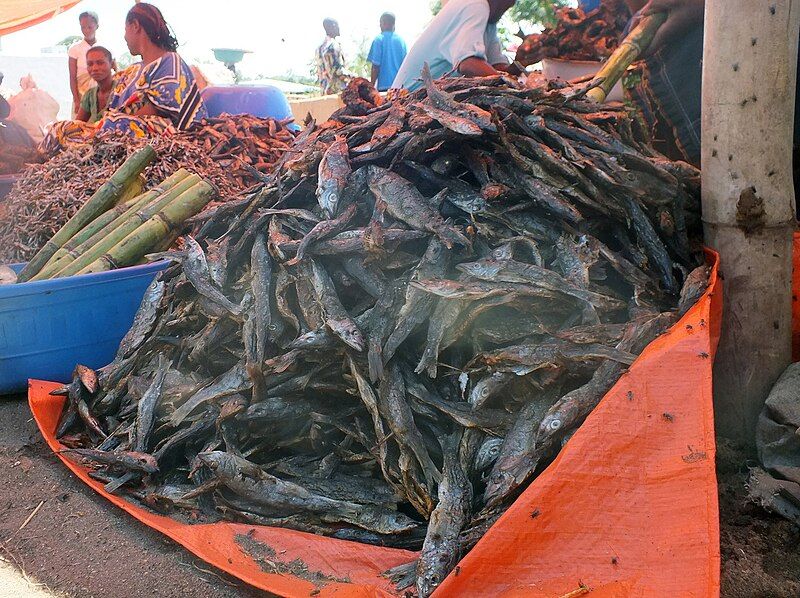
(19, 14)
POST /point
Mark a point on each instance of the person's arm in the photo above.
(476, 45)
(681, 15)
(476, 67)
(83, 113)
(5, 108)
(374, 57)
(73, 83)
(494, 51)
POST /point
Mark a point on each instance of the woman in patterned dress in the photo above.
(159, 93)
(156, 96)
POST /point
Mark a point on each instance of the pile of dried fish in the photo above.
(394, 335)
(240, 143)
(578, 35)
(359, 97)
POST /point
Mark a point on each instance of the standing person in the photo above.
(95, 101)
(79, 79)
(386, 54)
(159, 93)
(462, 37)
(673, 77)
(330, 60)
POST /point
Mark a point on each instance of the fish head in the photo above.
(485, 269)
(349, 333)
(309, 339)
(385, 521)
(328, 191)
(87, 376)
(220, 463)
(551, 425)
(435, 251)
(503, 252)
(482, 390)
(7, 275)
(534, 121)
(488, 453)
(144, 461)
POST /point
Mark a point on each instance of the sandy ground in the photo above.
(13, 584)
(77, 544)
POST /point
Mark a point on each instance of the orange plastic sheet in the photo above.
(20, 14)
(629, 508)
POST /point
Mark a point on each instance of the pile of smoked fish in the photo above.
(578, 35)
(390, 338)
(242, 143)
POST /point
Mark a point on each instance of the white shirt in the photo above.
(78, 52)
(460, 30)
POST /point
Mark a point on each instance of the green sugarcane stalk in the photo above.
(93, 248)
(153, 232)
(118, 186)
(133, 189)
(104, 224)
(99, 202)
(637, 41)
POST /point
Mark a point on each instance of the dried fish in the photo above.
(432, 294)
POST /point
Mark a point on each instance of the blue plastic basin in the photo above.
(6, 182)
(49, 326)
(264, 101)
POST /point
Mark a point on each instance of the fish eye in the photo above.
(484, 391)
(554, 425)
(273, 327)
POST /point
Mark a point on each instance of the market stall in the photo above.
(452, 341)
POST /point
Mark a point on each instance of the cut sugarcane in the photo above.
(99, 202)
(153, 232)
(93, 248)
(134, 188)
(628, 51)
(105, 224)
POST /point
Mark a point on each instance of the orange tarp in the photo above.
(19, 14)
(629, 507)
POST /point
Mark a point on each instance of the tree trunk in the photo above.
(749, 71)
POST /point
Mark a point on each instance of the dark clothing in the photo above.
(5, 108)
(13, 134)
(675, 77)
(674, 81)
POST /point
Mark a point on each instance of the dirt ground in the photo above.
(79, 545)
(760, 552)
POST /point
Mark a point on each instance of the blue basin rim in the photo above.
(82, 280)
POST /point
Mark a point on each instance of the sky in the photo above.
(281, 34)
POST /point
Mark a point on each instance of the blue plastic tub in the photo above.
(264, 101)
(49, 326)
(6, 182)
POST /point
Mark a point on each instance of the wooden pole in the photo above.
(749, 71)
